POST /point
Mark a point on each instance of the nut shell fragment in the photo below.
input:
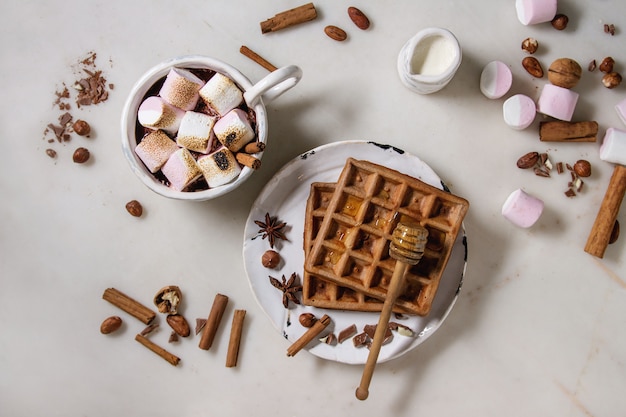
(167, 299)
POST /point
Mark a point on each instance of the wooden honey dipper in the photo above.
(407, 247)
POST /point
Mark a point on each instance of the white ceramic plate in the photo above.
(285, 196)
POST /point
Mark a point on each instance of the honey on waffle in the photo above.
(350, 231)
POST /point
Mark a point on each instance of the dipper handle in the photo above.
(407, 247)
(601, 230)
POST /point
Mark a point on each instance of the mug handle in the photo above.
(273, 84)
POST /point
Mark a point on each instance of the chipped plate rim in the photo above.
(285, 196)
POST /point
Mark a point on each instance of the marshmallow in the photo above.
(219, 168)
(221, 94)
(181, 169)
(613, 147)
(522, 209)
(196, 132)
(234, 130)
(557, 102)
(156, 113)
(621, 110)
(155, 149)
(180, 88)
(495, 80)
(519, 111)
(531, 12)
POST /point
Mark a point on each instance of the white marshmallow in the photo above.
(522, 209)
(196, 132)
(234, 130)
(620, 108)
(531, 12)
(495, 80)
(181, 169)
(155, 149)
(219, 168)
(221, 94)
(557, 102)
(613, 147)
(181, 88)
(519, 111)
(156, 113)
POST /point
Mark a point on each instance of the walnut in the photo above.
(167, 299)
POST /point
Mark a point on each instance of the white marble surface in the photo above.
(538, 328)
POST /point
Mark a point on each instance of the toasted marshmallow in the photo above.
(495, 79)
(181, 88)
(613, 147)
(557, 102)
(156, 113)
(220, 167)
(519, 111)
(522, 209)
(234, 130)
(181, 169)
(196, 132)
(221, 94)
(155, 149)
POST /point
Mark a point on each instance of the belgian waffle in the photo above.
(349, 227)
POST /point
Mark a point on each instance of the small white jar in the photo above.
(429, 60)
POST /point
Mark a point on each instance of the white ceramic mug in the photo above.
(256, 97)
(429, 60)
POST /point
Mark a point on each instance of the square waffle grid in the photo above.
(351, 248)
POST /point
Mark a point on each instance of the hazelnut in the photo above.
(528, 160)
(134, 208)
(592, 65)
(110, 324)
(564, 72)
(81, 155)
(612, 80)
(560, 21)
(582, 168)
(270, 259)
(167, 299)
(81, 127)
(307, 319)
(51, 153)
(606, 65)
(530, 45)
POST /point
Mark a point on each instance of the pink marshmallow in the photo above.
(156, 113)
(522, 209)
(181, 169)
(519, 111)
(181, 88)
(495, 80)
(155, 149)
(557, 102)
(613, 147)
(234, 130)
(620, 108)
(531, 12)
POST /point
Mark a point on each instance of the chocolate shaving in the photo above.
(360, 339)
(346, 333)
(200, 323)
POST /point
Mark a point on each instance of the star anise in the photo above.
(289, 289)
(271, 229)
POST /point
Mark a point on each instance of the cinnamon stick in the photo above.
(289, 18)
(309, 335)
(257, 58)
(129, 305)
(171, 358)
(235, 338)
(254, 147)
(561, 131)
(213, 322)
(248, 160)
